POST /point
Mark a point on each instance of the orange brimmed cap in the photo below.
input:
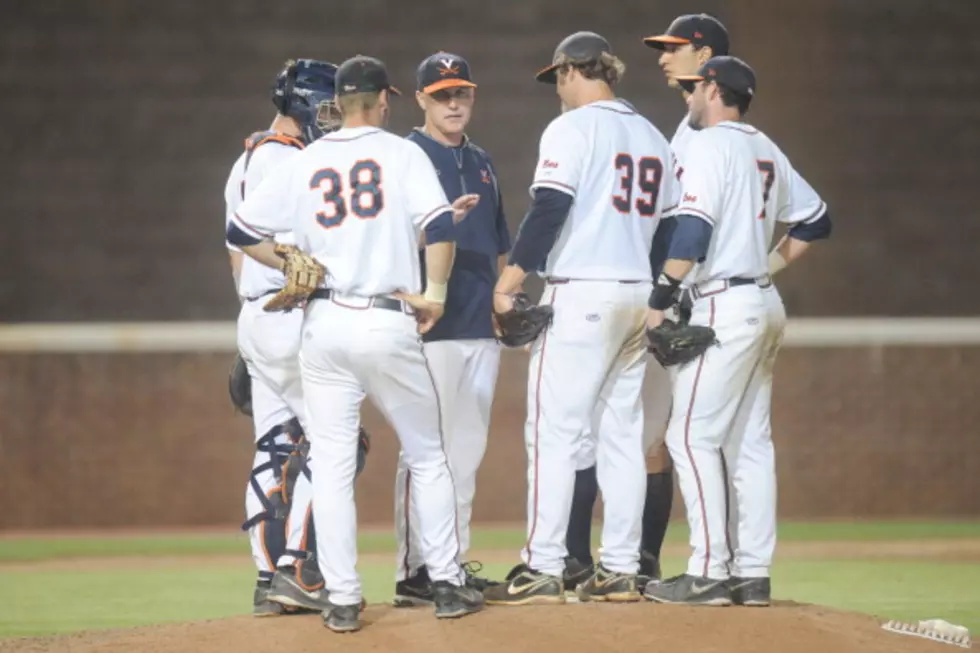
(443, 70)
(700, 30)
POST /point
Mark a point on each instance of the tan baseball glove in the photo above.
(303, 275)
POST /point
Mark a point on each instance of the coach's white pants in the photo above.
(721, 423)
(465, 374)
(585, 376)
(347, 354)
(269, 343)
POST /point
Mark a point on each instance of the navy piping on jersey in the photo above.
(751, 131)
(352, 138)
(627, 112)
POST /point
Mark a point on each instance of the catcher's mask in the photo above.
(304, 91)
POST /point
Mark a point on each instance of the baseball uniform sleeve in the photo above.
(561, 157)
(800, 204)
(233, 197)
(670, 187)
(426, 200)
(503, 231)
(703, 182)
(271, 207)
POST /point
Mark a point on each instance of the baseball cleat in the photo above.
(690, 590)
(605, 585)
(575, 572)
(751, 592)
(343, 618)
(649, 569)
(525, 586)
(288, 590)
(478, 582)
(261, 605)
(414, 591)
(454, 601)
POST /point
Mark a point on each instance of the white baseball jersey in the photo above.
(618, 169)
(681, 140)
(741, 183)
(255, 278)
(357, 200)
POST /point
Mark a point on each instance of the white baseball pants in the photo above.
(465, 375)
(269, 343)
(720, 426)
(350, 352)
(585, 377)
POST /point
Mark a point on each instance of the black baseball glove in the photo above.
(240, 386)
(675, 344)
(524, 322)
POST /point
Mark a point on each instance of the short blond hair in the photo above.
(357, 102)
(607, 68)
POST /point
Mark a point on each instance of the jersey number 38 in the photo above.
(364, 198)
(647, 173)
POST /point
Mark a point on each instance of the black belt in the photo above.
(732, 282)
(264, 294)
(378, 301)
(557, 281)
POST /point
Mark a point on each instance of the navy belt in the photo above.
(718, 286)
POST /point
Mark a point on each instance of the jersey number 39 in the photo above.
(647, 173)
(365, 199)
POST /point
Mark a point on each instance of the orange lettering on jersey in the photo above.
(690, 198)
(549, 164)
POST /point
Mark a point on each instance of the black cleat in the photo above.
(289, 590)
(261, 605)
(414, 591)
(525, 586)
(605, 585)
(453, 602)
(751, 592)
(575, 572)
(690, 590)
(649, 569)
(471, 569)
(343, 618)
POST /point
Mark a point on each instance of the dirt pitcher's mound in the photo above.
(588, 628)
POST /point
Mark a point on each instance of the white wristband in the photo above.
(776, 262)
(435, 292)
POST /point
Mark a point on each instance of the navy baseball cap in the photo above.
(362, 74)
(730, 72)
(700, 30)
(580, 47)
(443, 70)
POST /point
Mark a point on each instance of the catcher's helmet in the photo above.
(304, 91)
(580, 47)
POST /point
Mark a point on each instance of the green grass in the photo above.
(46, 600)
(31, 549)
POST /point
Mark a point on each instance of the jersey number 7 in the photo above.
(647, 172)
(768, 170)
(366, 197)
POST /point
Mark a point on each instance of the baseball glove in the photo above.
(524, 322)
(303, 275)
(240, 386)
(675, 344)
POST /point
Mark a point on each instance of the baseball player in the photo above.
(601, 183)
(269, 342)
(461, 350)
(356, 201)
(736, 185)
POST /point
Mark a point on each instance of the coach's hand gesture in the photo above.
(426, 313)
(463, 205)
